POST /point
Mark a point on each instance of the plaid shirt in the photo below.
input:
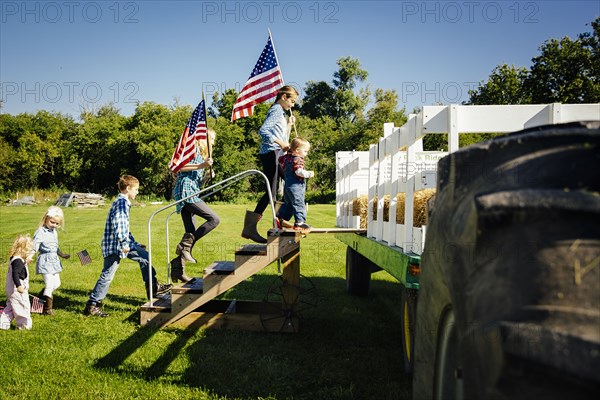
(116, 231)
(274, 126)
(188, 183)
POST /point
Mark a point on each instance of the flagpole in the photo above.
(282, 81)
(276, 59)
(207, 135)
(208, 149)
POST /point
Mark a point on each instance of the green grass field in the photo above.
(347, 348)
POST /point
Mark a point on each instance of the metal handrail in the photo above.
(217, 188)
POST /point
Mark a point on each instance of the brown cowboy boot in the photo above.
(184, 248)
(47, 310)
(178, 271)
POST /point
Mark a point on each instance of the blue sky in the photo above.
(65, 55)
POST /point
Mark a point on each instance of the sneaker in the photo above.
(94, 311)
(302, 226)
(158, 289)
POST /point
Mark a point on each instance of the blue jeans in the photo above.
(293, 195)
(111, 263)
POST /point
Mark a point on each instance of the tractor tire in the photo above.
(358, 273)
(508, 299)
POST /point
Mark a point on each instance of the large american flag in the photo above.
(262, 85)
(194, 130)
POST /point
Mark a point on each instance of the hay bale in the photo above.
(420, 207)
(386, 207)
(360, 208)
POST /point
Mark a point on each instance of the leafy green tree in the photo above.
(504, 86)
(338, 100)
(36, 143)
(319, 100)
(325, 139)
(7, 168)
(153, 132)
(96, 156)
(385, 109)
(232, 155)
(222, 104)
(565, 72)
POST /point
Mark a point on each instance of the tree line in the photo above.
(52, 150)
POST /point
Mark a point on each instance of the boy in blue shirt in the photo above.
(118, 243)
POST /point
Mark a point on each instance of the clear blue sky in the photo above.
(60, 55)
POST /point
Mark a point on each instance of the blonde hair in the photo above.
(288, 90)
(298, 142)
(203, 145)
(125, 181)
(22, 245)
(53, 212)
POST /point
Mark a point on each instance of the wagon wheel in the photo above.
(286, 303)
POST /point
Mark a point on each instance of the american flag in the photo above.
(194, 130)
(37, 305)
(84, 257)
(263, 84)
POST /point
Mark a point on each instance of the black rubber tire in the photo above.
(408, 306)
(508, 302)
(358, 273)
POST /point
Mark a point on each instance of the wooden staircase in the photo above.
(194, 303)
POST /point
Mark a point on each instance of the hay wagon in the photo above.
(498, 243)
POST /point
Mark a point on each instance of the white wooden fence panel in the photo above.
(398, 164)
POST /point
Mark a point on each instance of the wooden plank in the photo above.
(220, 268)
(194, 286)
(252, 250)
(337, 230)
(228, 314)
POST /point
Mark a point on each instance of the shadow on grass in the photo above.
(347, 348)
(64, 299)
(126, 348)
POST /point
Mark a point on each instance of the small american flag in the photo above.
(194, 130)
(37, 305)
(262, 85)
(84, 257)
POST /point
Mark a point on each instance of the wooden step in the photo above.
(159, 304)
(195, 286)
(215, 273)
(252, 250)
(220, 268)
(250, 253)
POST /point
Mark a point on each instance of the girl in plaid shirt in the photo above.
(190, 180)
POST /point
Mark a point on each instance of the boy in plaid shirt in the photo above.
(118, 243)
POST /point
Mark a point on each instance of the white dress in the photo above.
(18, 306)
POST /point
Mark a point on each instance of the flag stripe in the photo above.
(262, 85)
(37, 305)
(266, 87)
(195, 129)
